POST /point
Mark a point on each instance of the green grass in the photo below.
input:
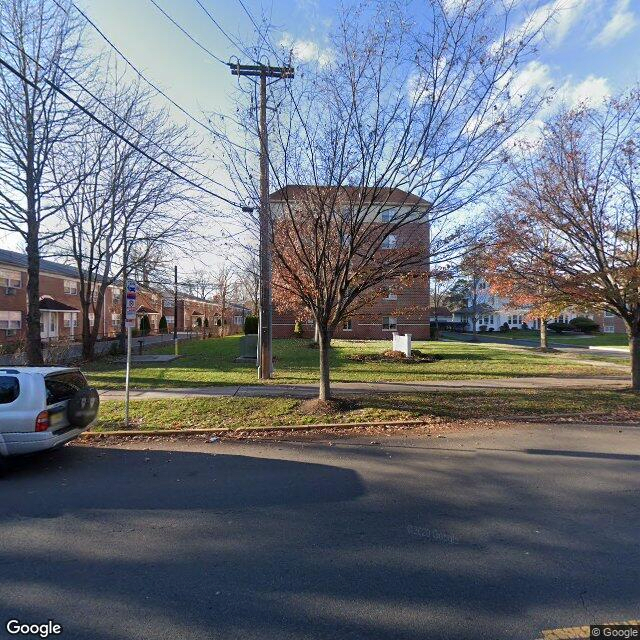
(602, 339)
(242, 413)
(211, 362)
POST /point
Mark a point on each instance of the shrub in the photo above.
(482, 328)
(297, 329)
(504, 327)
(558, 327)
(206, 322)
(491, 329)
(525, 326)
(251, 325)
(583, 324)
(145, 325)
(162, 325)
(515, 328)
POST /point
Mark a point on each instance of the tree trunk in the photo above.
(34, 340)
(544, 339)
(634, 348)
(323, 344)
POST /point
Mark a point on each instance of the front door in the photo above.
(48, 325)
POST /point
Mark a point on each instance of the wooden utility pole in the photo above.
(265, 360)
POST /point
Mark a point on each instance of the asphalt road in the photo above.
(492, 535)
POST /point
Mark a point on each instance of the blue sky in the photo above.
(590, 49)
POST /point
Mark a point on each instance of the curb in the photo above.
(222, 430)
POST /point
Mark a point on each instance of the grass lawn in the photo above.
(211, 362)
(601, 339)
(242, 413)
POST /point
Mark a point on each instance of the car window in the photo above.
(62, 386)
(9, 389)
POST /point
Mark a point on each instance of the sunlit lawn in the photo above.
(243, 413)
(211, 362)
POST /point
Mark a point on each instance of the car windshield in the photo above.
(62, 386)
(9, 389)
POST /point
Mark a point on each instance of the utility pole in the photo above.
(265, 359)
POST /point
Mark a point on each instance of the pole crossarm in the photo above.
(260, 69)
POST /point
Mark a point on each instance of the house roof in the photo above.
(382, 195)
(17, 259)
(50, 304)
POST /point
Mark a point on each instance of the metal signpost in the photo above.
(132, 290)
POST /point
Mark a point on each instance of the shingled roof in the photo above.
(382, 195)
(16, 259)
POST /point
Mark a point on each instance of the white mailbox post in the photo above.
(402, 343)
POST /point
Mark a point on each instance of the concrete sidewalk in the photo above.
(364, 388)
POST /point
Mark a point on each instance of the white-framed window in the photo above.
(390, 242)
(346, 326)
(92, 319)
(71, 287)
(609, 328)
(609, 314)
(388, 215)
(389, 323)
(70, 320)
(238, 320)
(117, 296)
(11, 279)
(10, 320)
(115, 319)
(169, 319)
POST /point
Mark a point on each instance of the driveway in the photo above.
(480, 535)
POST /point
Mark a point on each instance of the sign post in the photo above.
(130, 321)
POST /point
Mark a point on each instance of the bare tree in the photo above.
(398, 128)
(223, 284)
(130, 210)
(39, 46)
(580, 187)
(202, 284)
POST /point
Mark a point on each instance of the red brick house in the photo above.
(61, 314)
(404, 308)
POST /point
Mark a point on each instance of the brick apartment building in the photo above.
(61, 314)
(405, 308)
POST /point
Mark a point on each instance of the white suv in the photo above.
(43, 407)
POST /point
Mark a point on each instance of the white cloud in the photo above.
(553, 20)
(306, 50)
(622, 22)
(592, 91)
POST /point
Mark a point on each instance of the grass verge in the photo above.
(243, 413)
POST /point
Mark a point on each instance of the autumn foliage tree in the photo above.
(580, 186)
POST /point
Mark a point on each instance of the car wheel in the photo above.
(82, 408)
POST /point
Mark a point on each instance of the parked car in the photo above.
(43, 408)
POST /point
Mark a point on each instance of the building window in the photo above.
(11, 279)
(609, 314)
(392, 296)
(117, 296)
(389, 242)
(115, 319)
(346, 326)
(389, 324)
(169, 319)
(92, 319)
(70, 320)
(609, 328)
(238, 320)
(10, 320)
(71, 287)
(388, 215)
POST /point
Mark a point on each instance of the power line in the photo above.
(186, 33)
(136, 70)
(86, 111)
(116, 114)
(224, 33)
